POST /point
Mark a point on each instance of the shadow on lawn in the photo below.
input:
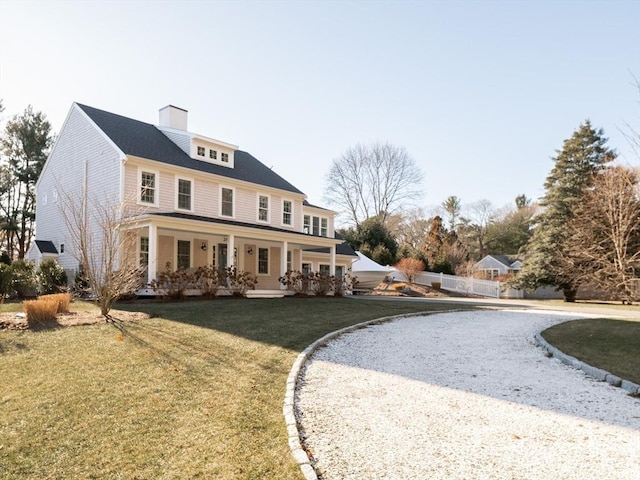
(291, 323)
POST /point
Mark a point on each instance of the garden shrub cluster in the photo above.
(21, 279)
(317, 283)
(173, 284)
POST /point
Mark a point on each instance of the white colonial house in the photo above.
(199, 201)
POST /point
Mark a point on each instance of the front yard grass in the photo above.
(195, 392)
(612, 345)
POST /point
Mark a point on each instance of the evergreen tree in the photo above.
(582, 156)
(373, 239)
(25, 145)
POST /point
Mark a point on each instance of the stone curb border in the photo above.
(597, 373)
(297, 449)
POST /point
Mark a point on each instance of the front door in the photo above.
(222, 256)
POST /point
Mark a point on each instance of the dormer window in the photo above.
(213, 154)
(201, 151)
(224, 157)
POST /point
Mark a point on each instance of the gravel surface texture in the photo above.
(463, 395)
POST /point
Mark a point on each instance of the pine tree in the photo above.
(582, 156)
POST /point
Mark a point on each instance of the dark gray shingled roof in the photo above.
(145, 140)
(46, 246)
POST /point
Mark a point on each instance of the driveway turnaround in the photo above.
(462, 395)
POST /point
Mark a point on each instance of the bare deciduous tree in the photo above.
(603, 238)
(373, 180)
(104, 248)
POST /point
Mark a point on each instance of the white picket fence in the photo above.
(466, 285)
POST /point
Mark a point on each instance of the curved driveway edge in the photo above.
(597, 373)
(298, 449)
(293, 432)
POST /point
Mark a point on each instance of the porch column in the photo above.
(283, 262)
(332, 260)
(231, 246)
(152, 268)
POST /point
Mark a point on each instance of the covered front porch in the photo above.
(177, 241)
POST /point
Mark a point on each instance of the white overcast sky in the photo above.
(480, 93)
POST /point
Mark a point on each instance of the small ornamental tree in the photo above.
(410, 268)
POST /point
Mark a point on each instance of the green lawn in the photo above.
(195, 392)
(613, 345)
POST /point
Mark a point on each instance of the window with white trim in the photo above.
(226, 202)
(213, 154)
(148, 187)
(263, 208)
(224, 157)
(306, 224)
(201, 151)
(184, 194)
(263, 261)
(144, 250)
(323, 227)
(183, 259)
(289, 260)
(325, 268)
(287, 212)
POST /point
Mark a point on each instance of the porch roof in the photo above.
(301, 237)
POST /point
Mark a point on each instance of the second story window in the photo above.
(201, 151)
(148, 187)
(323, 227)
(184, 194)
(306, 227)
(224, 157)
(213, 155)
(226, 202)
(287, 211)
(263, 208)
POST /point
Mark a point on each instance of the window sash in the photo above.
(144, 250)
(306, 227)
(323, 227)
(263, 208)
(226, 207)
(184, 254)
(287, 208)
(263, 261)
(184, 194)
(147, 187)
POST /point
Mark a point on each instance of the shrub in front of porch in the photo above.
(240, 282)
(173, 283)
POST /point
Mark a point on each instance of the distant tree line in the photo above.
(585, 230)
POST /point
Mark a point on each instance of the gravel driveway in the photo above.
(463, 395)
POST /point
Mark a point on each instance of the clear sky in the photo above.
(480, 93)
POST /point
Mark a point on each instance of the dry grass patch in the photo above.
(195, 392)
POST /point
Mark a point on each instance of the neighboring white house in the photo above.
(199, 201)
(493, 266)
